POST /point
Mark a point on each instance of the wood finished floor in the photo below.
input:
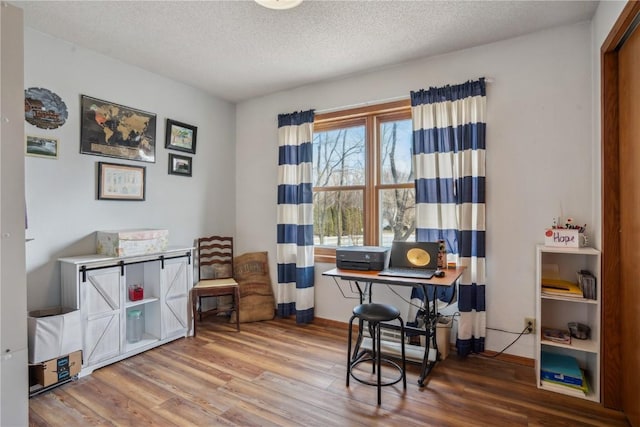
(279, 374)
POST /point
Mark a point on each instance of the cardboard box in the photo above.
(58, 369)
(118, 243)
(53, 332)
(564, 238)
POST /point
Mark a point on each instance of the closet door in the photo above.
(629, 128)
(175, 279)
(100, 309)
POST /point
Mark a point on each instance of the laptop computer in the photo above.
(412, 259)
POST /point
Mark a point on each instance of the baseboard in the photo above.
(509, 358)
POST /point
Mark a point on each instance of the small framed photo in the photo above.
(39, 146)
(179, 165)
(180, 136)
(121, 182)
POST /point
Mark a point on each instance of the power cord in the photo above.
(524, 332)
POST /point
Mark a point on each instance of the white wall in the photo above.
(539, 157)
(62, 209)
(14, 405)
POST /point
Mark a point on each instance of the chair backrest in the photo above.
(215, 257)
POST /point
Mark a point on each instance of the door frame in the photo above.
(611, 370)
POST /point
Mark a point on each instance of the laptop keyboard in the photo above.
(407, 272)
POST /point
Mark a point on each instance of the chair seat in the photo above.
(376, 312)
(215, 283)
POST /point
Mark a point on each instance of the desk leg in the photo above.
(431, 344)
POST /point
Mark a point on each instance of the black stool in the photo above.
(374, 314)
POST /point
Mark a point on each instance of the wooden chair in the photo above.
(215, 267)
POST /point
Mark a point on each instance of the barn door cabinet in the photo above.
(99, 287)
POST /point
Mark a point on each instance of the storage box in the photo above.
(443, 335)
(564, 238)
(119, 243)
(58, 369)
(53, 332)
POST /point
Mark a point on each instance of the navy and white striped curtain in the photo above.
(295, 291)
(449, 131)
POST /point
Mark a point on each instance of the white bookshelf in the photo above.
(555, 311)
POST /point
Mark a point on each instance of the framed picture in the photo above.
(39, 146)
(180, 136)
(121, 182)
(179, 165)
(113, 130)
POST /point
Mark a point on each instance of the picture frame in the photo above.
(180, 165)
(180, 136)
(113, 130)
(41, 146)
(121, 182)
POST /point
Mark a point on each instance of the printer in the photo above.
(362, 257)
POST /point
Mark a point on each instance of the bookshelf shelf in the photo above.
(560, 298)
(589, 346)
(556, 311)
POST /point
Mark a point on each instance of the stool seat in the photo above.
(376, 312)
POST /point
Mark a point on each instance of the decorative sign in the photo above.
(564, 238)
(44, 109)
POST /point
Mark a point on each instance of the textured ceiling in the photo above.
(237, 49)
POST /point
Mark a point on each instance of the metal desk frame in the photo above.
(364, 280)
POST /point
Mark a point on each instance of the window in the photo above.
(363, 189)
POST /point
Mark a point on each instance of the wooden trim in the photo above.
(611, 370)
(363, 111)
(620, 28)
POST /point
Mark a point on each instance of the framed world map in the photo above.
(113, 130)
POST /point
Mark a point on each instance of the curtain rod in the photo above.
(379, 101)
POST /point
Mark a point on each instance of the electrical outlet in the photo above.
(530, 324)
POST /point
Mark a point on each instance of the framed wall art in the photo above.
(121, 182)
(179, 165)
(113, 130)
(180, 136)
(39, 146)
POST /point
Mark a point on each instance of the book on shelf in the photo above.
(574, 390)
(587, 283)
(561, 369)
(556, 335)
(559, 287)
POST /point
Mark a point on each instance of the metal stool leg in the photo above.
(404, 360)
(349, 349)
(377, 330)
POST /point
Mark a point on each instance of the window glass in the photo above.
(397, 215)
(338, 218)
(339, 157)
(396, 151)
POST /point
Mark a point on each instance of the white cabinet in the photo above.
(99, 287)
(556, 311)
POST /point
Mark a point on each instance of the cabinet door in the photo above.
(175, 299)
(100, 309)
